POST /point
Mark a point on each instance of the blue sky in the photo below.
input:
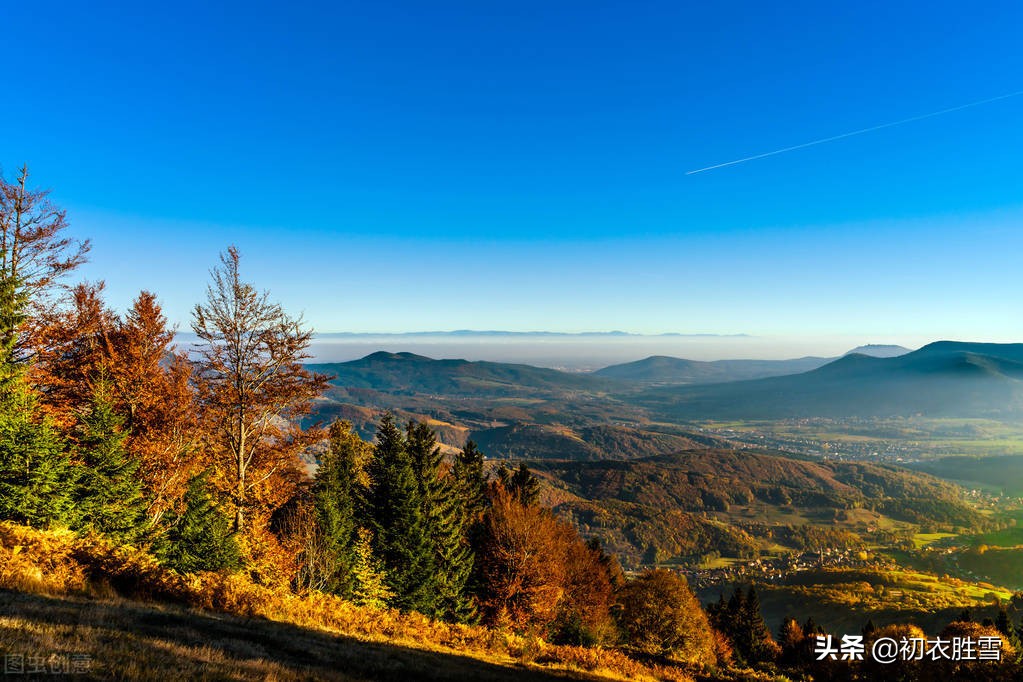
(395, 166)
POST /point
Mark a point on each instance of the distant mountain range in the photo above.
(531, 412)
(879, 350)
(945, 378)
(661, 369)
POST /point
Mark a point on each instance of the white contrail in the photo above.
(857, 132)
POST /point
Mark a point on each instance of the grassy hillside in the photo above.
(62, 595)
(136, 641)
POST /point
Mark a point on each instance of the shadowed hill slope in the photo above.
(942, 379)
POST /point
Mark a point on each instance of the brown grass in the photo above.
(76, 602)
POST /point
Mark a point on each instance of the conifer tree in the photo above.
(522, 484)
(471, 481)
(109, 495)
(200, 539)
(338, 500)
(37, 479)
(401, 535)
(791, 639)
(369, 581)
(742, 622)
(36, 476)
(13, 302)
(445, 516)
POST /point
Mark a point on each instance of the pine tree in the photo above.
(761, 646)
(109, 494)
(522, 484)
(471, 481)
(401, 535)
(13, 304)
(742, 621)
(369, 581)
(791, 640)
(338, 499)
(36, 476)
(445, 516)
(200, 539)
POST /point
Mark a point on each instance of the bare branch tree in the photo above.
(253, 387)
(34, 252)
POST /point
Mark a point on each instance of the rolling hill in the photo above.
(661, 369)
(945, 378)
(410, 373)
(740, 502)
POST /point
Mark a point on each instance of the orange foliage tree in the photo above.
(661, 616)
(69, 344)
(83, 343)
(535, 572)
(153, 386)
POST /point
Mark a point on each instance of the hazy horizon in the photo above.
(585, 350)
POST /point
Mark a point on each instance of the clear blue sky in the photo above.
(391, 166)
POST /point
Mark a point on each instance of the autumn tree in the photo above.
(661, 616)
(152, 387)
(69, 344)
(584, 615)
(522, 566)
(253, 388)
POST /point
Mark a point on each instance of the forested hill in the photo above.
(684, 505)
(662, 369)
(712, 480)
(394, 372)
(945, 378)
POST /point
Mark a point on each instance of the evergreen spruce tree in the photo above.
(338, 500)
(868, 629)
(109, 495)
(522, 484)
(369, 581)
(760, 646)
(36, 476)
(401, 532)
(37, 480)
(471, 482)
(200, 538)
(13, 302)
(445, 514)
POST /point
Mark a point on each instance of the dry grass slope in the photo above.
(66, 595)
